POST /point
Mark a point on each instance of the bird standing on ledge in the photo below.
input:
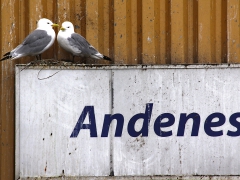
(76, 44)
(35, 43)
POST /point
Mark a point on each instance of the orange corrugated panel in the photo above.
(97, 26)
(165, 32)
(212, 31)
(139, 31)
(221, 31)
(206, 28)
(150, 31)
(233, 31)
(127, 31)
(121, 31)
(192, 32)
(9, 38)
(179, 31)
(134, 23)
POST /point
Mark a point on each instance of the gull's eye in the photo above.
(48, 22)
(68, 27)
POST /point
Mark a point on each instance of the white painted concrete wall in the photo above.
(47, 111)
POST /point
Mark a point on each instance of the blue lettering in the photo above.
(146, 119)
(233, 121)
(209, 124)
(183, 120)
(158, 124)
(213, 120)
(92, 122)
(107, 121)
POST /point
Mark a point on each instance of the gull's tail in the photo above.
(100, 56)
(106, 58)
(6, 56)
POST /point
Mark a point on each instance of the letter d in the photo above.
(146, 119)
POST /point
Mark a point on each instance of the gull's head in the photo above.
(45, 24)
(67, 27)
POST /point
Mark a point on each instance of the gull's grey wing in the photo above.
(79, 42)
(34, 43)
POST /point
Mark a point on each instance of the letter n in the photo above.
(107, 121)
(92, 122)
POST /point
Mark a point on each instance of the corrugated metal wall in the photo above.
(129, 31)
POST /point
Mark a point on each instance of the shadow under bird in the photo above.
(35, 43)
(76, 44)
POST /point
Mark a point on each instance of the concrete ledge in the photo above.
(68, 65)
(140, 178)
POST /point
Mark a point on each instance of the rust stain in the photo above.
(45, 169)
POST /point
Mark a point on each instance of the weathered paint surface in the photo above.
(47, 111)
(130, 32)
(176, 91)
(46, 115)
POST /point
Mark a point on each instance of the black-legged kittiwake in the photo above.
(35, 43)
(77, 44)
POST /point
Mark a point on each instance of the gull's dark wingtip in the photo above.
(106, 58)
(6, 56)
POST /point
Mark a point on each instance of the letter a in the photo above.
(92, 122)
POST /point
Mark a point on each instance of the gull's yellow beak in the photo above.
(55, 25)
(62, 28)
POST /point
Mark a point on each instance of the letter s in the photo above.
(233, 121)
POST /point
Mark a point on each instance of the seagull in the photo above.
(35, 43)
(76, 44)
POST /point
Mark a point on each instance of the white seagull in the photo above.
(35, 43)
(76, 44)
